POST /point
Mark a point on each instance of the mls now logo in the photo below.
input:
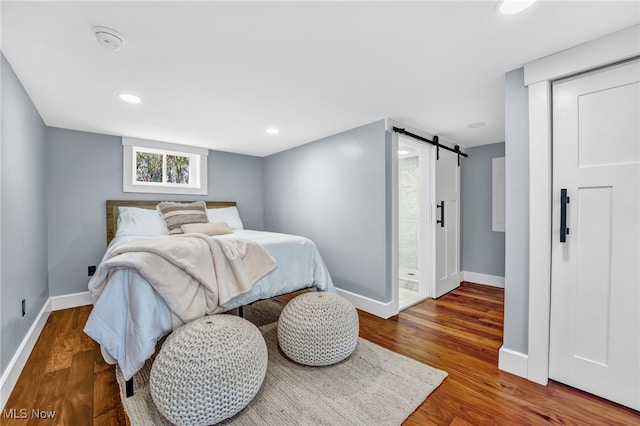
(23, 413)
(14, 413)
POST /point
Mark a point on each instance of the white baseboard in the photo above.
(17, 363)
(380, 309)
(70, 301)
(475, 277)
(13, 370)
(513, 362)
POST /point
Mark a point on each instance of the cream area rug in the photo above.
(374, 386)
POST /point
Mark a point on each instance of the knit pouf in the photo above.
(318, 328)
(208, 370)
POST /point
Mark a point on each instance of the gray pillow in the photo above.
(178, 214)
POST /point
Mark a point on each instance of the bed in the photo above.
(129, 317)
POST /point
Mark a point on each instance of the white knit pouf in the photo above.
(208, 370)
(318, 328)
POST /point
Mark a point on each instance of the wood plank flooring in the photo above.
(460, 333)
(66, 374)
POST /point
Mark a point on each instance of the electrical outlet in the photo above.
(24, 307)
(91, 270)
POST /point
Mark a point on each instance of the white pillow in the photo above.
(140, 222)
(229, 215)
(209, 228)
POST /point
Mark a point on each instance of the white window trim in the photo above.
(198, 172)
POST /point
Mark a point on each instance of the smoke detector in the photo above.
(108, 38)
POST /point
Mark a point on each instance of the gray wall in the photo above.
(516, 304)
(23, 214)
(85, 169)
(482, 248)
(335, 191)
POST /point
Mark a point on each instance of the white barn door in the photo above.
(595, 283)
(447, 233)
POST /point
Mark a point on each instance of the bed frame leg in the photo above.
(129, 387)
(241, 311)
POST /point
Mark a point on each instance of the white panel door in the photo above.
(595, 296)
(447, 233)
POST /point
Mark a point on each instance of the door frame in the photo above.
(539, 75)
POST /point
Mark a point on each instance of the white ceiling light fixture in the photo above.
(272, 131)
(108, 38)
(130, 98)
(511, 7)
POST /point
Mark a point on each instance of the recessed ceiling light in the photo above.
(511, 7)
(272, 131)
(128, 97)
(476, 124)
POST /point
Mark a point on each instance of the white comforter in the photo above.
(130, 317)
(193, 273)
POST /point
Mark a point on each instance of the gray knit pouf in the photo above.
(318, 328)
(208, 370)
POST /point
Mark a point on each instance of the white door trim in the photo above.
(432, 222)
(395, 238)
(539, 231)
(615, 47)
(600, 52)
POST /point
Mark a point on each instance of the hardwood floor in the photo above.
(66, 374)
(460, 333)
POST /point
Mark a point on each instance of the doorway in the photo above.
(415, 267)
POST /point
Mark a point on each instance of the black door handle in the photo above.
(441, 207)
(564, 200)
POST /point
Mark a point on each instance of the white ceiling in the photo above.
(217, 74)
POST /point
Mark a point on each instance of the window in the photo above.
(159, 167)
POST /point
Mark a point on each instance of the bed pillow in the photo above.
(228, 215)
(178, 214)
(140, 222)
(219, 228)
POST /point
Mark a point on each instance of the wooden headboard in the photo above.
(112, 211)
